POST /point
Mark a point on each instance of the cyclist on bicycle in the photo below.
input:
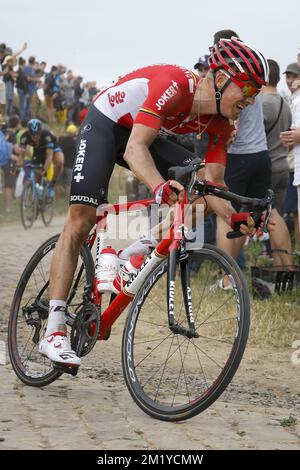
(45, 150)
(123, 126)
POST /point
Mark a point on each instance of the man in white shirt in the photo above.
(291, 138)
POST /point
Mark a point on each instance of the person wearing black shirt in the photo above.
(22, 87)
(67, 143)
(9, 80)
(45, 148)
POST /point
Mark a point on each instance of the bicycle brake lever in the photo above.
(191, 185)
(267, 218)
(269, 200)
(234, 234)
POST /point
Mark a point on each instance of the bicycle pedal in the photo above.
(66, 369)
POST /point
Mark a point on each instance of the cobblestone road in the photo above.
(261, 410)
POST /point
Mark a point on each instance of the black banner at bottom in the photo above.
(137, 458)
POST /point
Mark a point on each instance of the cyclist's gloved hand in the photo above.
(243, 222)
(168, 192)
(271, 225)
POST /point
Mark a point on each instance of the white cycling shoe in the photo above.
(58, 349)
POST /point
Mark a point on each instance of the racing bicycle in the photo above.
(35, 198)
(183, 339)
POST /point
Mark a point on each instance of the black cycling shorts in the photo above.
(248, 174)
(101, 144)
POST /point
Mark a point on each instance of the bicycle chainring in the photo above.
(85, 329)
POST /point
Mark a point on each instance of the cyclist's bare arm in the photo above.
(23, 48)
(25, 151)
(138, 157)
(49, 158)
(215, 172)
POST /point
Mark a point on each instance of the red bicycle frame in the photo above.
(166, 245)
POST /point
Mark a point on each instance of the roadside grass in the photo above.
(274, 321)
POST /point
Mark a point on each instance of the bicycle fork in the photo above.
(175, 327)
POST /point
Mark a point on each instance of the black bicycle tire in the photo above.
(45, 221)
(12, 344)
(25, 223)
(42, 208)
(231, 366)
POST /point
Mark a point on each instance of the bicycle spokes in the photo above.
(176, 370)
(176, 327)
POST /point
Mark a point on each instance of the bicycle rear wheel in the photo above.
(173, 377)
(29, 313)
(28, 205)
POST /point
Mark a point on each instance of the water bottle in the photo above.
(130, 268)
(108, 269)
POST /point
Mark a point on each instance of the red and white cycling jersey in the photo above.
(161, 97)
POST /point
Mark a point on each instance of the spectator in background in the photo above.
(59, 101)
(248, 170)
(202, 66)
(14, 125)
(22, 128)
(291, 138)
(93, 90)
(8, 153)
(50, 93)
(2, 84)
(68, 91)
(5, 51)
(67, 143)
(39, 69)
(33, 80)
(82, 114)
(78, 90)
(84, 100)
(291, 202)
(9, 80)
(277, 118)
(22, 87)
(43, 66)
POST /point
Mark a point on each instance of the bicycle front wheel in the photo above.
(173, 377)
(47, 205)
(28, 205)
